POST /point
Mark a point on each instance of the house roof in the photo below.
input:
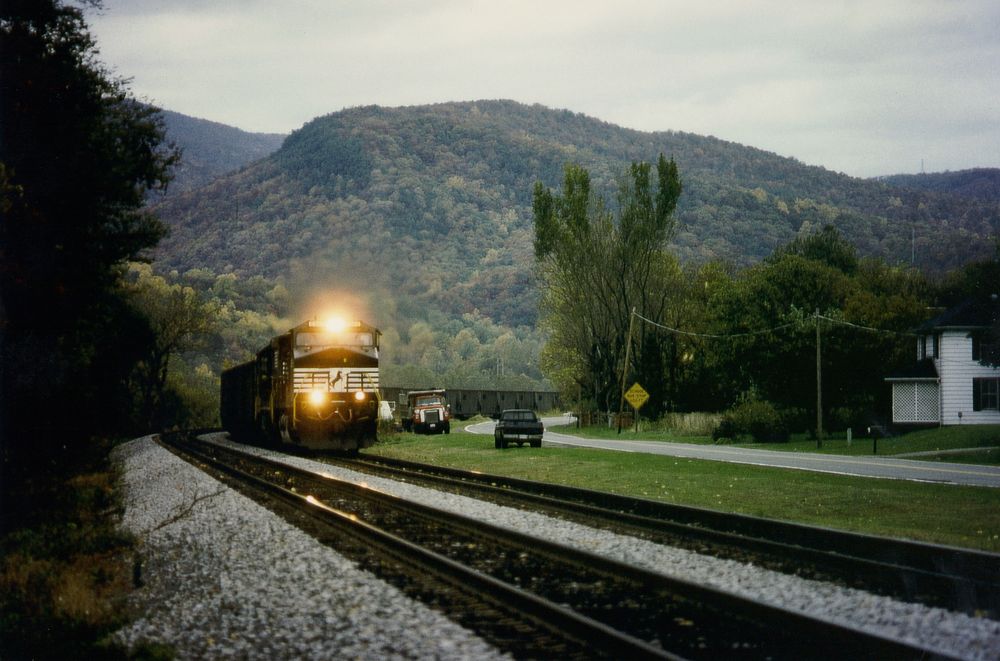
(970, 313)
(923, 369)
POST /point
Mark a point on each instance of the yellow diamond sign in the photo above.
(636, 396)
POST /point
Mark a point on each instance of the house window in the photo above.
(986, 394)
(984, 348)
(930, 346)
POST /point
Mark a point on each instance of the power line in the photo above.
(798, 322)
(713, 336)
(867, 328)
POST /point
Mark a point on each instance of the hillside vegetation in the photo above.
(430, 206)
(420, 221)
(978, 183)
(210, 150)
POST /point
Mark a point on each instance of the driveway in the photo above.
(861, 466)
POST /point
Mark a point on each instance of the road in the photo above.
(862, 466)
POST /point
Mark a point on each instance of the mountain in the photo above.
(210, 149)
(427, 210)
(981, 184)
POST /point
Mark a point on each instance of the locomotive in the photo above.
(315, 386)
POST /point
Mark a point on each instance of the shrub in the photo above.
(726, 431)
(754, 417)
(386, 429)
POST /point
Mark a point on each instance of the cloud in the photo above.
(912, 76)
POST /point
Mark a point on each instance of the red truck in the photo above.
(426, 412)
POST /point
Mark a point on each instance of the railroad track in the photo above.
(957, 579)
(529, 596)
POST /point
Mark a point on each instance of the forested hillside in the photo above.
(423, 213)
(419, 219)
(210, 149)
(978, 183)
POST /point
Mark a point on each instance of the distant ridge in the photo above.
(981, 184)
(210, 149)
(432, 205)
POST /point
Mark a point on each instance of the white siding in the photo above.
(957, 369)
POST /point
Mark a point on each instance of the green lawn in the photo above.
(940, 439)
(945, 514)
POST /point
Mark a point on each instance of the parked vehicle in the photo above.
(518, 426)
(427, 412)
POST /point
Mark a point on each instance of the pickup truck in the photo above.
(518, 426)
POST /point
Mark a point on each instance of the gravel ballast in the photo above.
(224, 577)
(231, 549)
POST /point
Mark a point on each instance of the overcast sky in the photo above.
(865, 87)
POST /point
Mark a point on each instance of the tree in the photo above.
(827, 246)
(865, 310)
(180, 321)
(979, 282)
(596, 266)
(690, 380)
(77, 157)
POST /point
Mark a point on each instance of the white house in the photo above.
(948, 385)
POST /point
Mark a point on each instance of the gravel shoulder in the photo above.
(225, 578)
(235, 564)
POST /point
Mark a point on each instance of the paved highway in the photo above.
(863, 466)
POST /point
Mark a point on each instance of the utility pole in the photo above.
(628, 350)
(819, 387)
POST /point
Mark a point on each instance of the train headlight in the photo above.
(335, 325)
(317, 397)
(360, 396)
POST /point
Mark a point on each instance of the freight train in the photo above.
(463, 404)
(315, 387)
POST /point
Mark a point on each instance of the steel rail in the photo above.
(960, 579)
(789, 633)
(555, 618)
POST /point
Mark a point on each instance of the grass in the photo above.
(939, 441)
(945, 514)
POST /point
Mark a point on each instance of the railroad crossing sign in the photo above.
(636, 396)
